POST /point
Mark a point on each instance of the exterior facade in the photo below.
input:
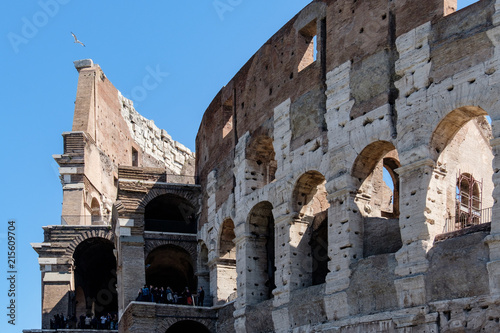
(345, 180)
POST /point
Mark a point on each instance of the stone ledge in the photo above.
(462, 232)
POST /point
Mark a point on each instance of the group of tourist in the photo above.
(60, 321)
(168, 296)
(104, 322)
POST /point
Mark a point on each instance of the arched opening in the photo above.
(190, 326)
(96, 212)
(227, 248)
(377, 197)
(170, 266)
(391, 190)
(95, 278)
(468, 203)
(261, 163)
(461, 190)
(311, 228)
(260, 249)
(170, 213)
(203, 276)
(226, 264)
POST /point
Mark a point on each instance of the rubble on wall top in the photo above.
(84, 63)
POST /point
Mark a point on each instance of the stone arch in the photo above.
(224, 268)
(189, 246)
(260, 250)
(102, 232)
(377, 202)
(203, 273)
(227, 248)
(188, 195)
(310, 230)
(170, 213)
(203, 257)
(460, 144)
(167, 323)
(450, 125)
(374, 197)
(468, 201)
(95, 276)
(95, 207)
(171, 266)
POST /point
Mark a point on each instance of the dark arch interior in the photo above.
(262, 227)
(95, 274)
(312, 205)
(170, 213)
(186, 326)
(170, 266)
(319, 248)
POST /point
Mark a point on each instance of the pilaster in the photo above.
(415, 234)
(345, 246)
(493, 240)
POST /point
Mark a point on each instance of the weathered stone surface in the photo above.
(324, 184)
(457, 268)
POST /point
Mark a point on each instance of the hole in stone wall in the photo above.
(307, 45)
(227, 117)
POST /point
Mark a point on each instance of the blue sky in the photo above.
(197, 45)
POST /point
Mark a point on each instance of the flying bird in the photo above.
(76, 40)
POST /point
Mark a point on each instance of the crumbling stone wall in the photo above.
(388, 88)
(158, 146)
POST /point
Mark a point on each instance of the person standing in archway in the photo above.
(188, 296)
(201, 296)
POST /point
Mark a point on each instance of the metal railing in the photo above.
(85, 219)
(465, 219)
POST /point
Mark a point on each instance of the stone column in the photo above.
(204, 281)
(242, 279)
(223, 279)
(415, 234)
(493, 240)
(283, 260)
(291, 265)
(345, 245)
(242, 271)
(130, 271)
(57, 292)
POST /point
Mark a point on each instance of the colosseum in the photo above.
(344, 181)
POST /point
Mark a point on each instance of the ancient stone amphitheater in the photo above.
(344, 181)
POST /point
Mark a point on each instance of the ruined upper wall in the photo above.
(117, 128)
(286, 67)
(107, 133)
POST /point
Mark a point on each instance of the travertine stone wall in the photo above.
(402, 88)
(156, 143)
